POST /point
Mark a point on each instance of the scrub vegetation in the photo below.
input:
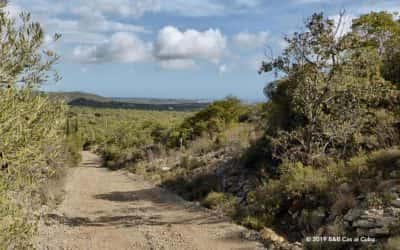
(331, 120)
(328, 134)
(34, 148)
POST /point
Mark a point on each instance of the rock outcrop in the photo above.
(375, 222)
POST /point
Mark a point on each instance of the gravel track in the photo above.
(105, 209)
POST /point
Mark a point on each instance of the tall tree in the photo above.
(330, 89)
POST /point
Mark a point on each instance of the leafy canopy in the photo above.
(330, 90)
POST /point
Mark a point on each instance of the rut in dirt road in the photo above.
(116, 210)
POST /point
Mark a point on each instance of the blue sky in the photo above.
(203, 49)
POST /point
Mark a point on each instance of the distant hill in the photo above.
(70, 96)
(91, 100)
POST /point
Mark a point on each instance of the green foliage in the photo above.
(210, 121)
(32, 140)
(329, 94)
(21, 55)
(299, 179)
(214, 199)
(382, 161)
(124, 137)
(224, 202)
(299, 194)
(381, 31)
(254, 222)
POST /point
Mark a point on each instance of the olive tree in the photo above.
(31, 127)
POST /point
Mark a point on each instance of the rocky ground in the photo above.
(117, 210)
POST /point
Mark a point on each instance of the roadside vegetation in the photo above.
(324, 144)
(33, 145)
(328, 135)
(126, 137)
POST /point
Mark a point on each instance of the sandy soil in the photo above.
(116, 210)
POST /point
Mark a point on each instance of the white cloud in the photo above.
(172, 43)
(250, 40)
(122, 47)
(125, 8)
(95, 21)
(178, 64)
(173, 49)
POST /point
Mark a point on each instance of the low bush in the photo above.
(299, 193)
(209, 122)
(299, 179)
(380, 162)
(214, 200)
(221, 201)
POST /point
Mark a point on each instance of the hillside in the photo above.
(82, 99)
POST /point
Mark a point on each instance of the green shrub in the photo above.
(300, 190)
(31, 148)
(253, 222)
(210, 121)
(385, 160)
(214, 200)
(222, 201)
(74, 147)
(32, 127)
(297, 179)
(380, 162)
(264, 203)
(124, 136)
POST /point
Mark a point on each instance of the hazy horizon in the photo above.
(161, 98)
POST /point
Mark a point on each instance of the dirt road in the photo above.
(118, 210)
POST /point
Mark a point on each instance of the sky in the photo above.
(198, 49)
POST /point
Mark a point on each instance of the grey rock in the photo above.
(386, 221)
(396, 203)
(353, 214)
(372, 214)
(365, 224)
(379, 232)
(392, 212)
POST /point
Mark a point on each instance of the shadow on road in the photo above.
(162, 200)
